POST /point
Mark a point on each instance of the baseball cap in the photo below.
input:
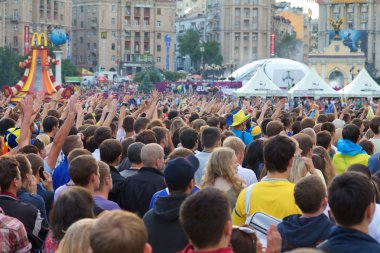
(180, 171)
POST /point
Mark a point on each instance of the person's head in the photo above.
(37, 164)
(374, 124)
(359, 168)
(213, 121)
(10, 178)
(328, 126)
(84, 171)
(274, 128)
(206, 219)
(71, 142)
(210, 138)
(110, 152)
(243, 239)
(101, 134)
(25, 169)
(278, 154)
(140, 124)
(162, 136)
(128, 122)
(305, 144)
(197, 124)
(307, 123)
(77, 152)
(367, 146)
(310, 195)
(264, 124)
(50, 125)
(146, 137)
(324, 139)
(254, 155)
(359, 123)
(179, 152)
(173, 114)
(177, 123)
(5, 124)
(222, 163)
(156, 123)
(311, 133)
(296, 127)
(152, 155)
(54, 113)
(237, 145)
(28, 149)
(351, 132)
(77, 237)
(322, 119)
(134, 153)
(179, 174)
(351, 199)
(74, 204)
(188, 138)
(105, 180)
(119, 231)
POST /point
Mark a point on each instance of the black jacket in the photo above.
(162, 221)
(117, 181)
(137, 190)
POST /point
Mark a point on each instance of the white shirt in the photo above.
(247, 175)
(96, 154)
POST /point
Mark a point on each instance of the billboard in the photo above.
(354, 39)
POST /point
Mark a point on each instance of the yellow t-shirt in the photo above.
(274, 197)
(342, 162)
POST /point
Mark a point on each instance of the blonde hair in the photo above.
(176, 124)
(219, 165)
(329, 171)
(234, 143)
(77, 237)
(299, 169)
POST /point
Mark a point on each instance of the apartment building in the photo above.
(184, 6)
(127, 36)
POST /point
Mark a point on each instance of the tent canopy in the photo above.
(258, 85)
(362, 86)
(313, 85)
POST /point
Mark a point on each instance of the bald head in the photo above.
(150, 153)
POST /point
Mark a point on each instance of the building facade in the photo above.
(184, 6)
(360, 29)
(127, 36)
(242, 27)
(21, 18)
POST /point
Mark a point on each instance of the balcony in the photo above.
(15, 18)
(138, 58)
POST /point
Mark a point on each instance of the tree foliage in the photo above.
(69, 69)
(10, 73)
(289, 47)
(173, 76)
(147, 79)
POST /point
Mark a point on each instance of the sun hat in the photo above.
(236, 118)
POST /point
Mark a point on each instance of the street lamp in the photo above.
(202, 49)
(231, 78)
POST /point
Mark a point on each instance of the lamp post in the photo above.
(231, 78)
(202, 49)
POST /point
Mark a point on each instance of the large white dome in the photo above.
(284, 73)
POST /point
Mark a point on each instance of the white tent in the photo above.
(312, 85)
(258, 85)
(362, 86)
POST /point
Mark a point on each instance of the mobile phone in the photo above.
(41, 172)
(12, 106)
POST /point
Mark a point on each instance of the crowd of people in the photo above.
(168, 173)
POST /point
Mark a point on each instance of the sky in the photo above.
(306, 4)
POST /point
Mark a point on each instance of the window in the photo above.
(15, 27)
(94, 45)
(254, 37)
(158, 48)
(113, 58)
(364, 25)
(336, 8)
(81, 24)
(237, 36)
(158, 24)
(81, 10)
(158, 11)
(113, 46)
(61, 17)
(158, 59)
(246, 36)
(81, 40)
(88, 45)
(350, 25)
(113, 21)
(158, 36)
(113, 7)
(74, 22)
(114, 34)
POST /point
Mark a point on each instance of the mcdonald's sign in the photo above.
(37, 39)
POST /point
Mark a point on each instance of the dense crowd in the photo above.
(165, 172)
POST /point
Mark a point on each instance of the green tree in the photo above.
(147, 79)
(212, 54)
(10, 73)
(288, 46)
(146, 85)
(189, 45)
(173, 76)
(69, 69)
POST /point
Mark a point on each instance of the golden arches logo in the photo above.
(37, 39)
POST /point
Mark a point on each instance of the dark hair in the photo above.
(5, 124)
(242, 242)
(36, 162)
(71, 142)
(307, 123)
(350, 194)
(101, 134)
(305, 143)
(264, 124)
(212, 207)
(128, 123)
(49, 123)
(134, 152)
(357, 122)
(90, 131)
(274, 128)
(38, 144)
(63, 214)
(328, 126)
(296, 127)
(110, 150)
(73, 131)
(367, 146)
(324, 139)
(81, 168)
(210, 137)
(77, 152)
(254, 156)
(146, 137)
(213, 121)
(278, 151)
(193, 117)
(8, 171)
(359, 168)
(91, 144)
(124, 145)
(374, 124)
(322, 119)
(309, 193)
(28, 149)
(160, 133)
(351, 132)
(53, 113)
(188, 137)
(155, 123)
(24, 166)
(140, 124)
(173, 114)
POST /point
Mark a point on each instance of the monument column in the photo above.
(58, 67)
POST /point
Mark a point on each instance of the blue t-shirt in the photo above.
(244, 136)
(165, 193)
(61, 174)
